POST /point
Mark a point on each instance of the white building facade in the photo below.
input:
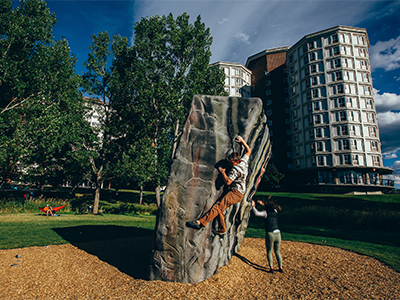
(237, 78)
(335, 135)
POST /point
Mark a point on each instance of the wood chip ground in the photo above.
(110, 270)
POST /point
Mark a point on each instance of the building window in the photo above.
(355, 159)
(318, 132)
(344, 130)
(297, 163)
(335, 38)
(340, 88)
(346, 145)
(353, 144)
(336, 50)
(312, 56)
(313, 68)
(318, 119)
(342, 102)
(347, 159)
(305, 48)
(339, 75)
(291, 69)
(305, 59)
(342, 116)
(372, 131)
(296, 150)
(309, 107)
(314, 80)
(320, 160)
(338, 63)
(295, 126)
(320, 146)
(291, 58)
(315, 93)
(308, 95)
(311, 133)
(306, 71)
(374, 146)
(311, 45)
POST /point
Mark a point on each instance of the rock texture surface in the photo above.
(182, 254)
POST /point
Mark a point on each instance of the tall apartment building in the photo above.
(269, 82)
(237, 78)
(334, 143)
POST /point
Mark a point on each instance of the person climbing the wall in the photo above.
(236, 181)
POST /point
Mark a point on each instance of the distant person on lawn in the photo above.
(236, 181)
(272, 232)
(49, 210)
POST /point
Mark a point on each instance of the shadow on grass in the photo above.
(126, 248)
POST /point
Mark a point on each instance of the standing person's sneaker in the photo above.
(193, 225)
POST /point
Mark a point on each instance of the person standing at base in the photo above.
(272, 232)
(236, 181)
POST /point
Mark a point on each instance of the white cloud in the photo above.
(390, 156)
(385, 54)
(242, 37)
(386, 102)
(224, 20)
(387, 107)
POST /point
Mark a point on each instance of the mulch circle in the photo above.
(116, 269)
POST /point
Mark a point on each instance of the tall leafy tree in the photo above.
(96, 82)
(168, 63)
(40, 107)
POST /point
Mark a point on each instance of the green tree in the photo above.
(96, 82)
(167, 64)
(41, 110)
(272, 178)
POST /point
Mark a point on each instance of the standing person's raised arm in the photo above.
(240, 140)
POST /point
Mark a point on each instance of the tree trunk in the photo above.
(141, 194)
(99, 184)
(96, 200)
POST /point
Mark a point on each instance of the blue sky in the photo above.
(243, 28)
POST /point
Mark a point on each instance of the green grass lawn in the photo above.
(26, 230)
